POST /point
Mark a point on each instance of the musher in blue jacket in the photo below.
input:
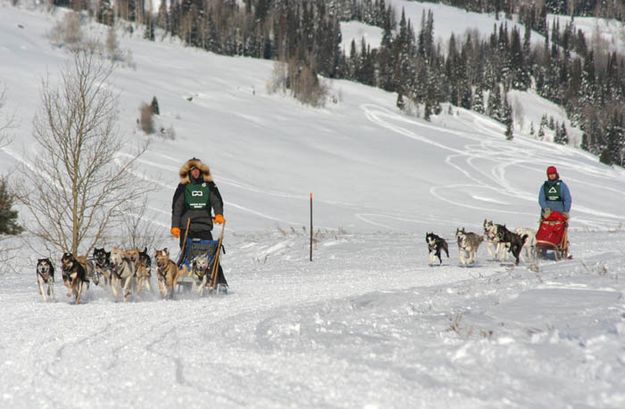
(554, 195)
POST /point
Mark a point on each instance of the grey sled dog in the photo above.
(468, 244)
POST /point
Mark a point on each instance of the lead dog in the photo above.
(123, 276)
(435, 245)
(468, 244)
(167, 273)
(74, 276)
(45, 277)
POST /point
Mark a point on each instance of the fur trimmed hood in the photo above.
(194, 163)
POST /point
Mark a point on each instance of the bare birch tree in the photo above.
(80, 186)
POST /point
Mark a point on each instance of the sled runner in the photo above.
(552, 236)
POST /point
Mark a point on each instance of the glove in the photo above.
(566, 215)
(175, 231)
(546, 212)
(219, 219)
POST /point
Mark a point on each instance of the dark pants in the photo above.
(204, 235)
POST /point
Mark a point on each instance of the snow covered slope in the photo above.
(368, 324)
(369, 166)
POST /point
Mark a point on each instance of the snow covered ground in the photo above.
(367, 324)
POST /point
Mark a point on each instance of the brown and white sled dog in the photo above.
(201, 273)
(89, 267)
(74, 276)
(45, 278)
(123, 273)
(167, 273)
(468, 244)
(496, 249)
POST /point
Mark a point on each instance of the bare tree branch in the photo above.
(81, 189)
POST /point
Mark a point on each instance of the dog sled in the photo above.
(552, 236)
(199, 259)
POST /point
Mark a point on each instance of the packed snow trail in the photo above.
(367, 324)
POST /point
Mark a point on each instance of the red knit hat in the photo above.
(551, 170)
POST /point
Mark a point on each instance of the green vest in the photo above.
(553, 191)
(196, 196)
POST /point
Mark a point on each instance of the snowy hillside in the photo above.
(367, 324)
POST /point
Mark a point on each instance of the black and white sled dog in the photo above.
(435, 245)
(74, 276)
(45, 278)
(496, 249)
(102, 259)
(468, 244)
(530, 243)
(514, 241)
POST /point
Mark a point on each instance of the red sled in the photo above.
(552, 235)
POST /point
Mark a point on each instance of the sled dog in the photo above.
(74, 276)
(45, 277)
(530, 243)
(123, 273)
(468, 244)
(496, 249)
(515, 241)
(435, 245)
(102, 261)
(167, 273)
(201, 273)
(143, 268)
(89, 267)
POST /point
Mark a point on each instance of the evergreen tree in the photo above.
(162, 18)
(155, 108)
(507, 117)
(8, 216)
(478, 99)
(494, 104)
(427, 111)
(400, 101)
(105, 13)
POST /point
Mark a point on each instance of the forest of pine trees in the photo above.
(471, 73)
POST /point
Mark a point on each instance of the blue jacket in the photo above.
(561, 206)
